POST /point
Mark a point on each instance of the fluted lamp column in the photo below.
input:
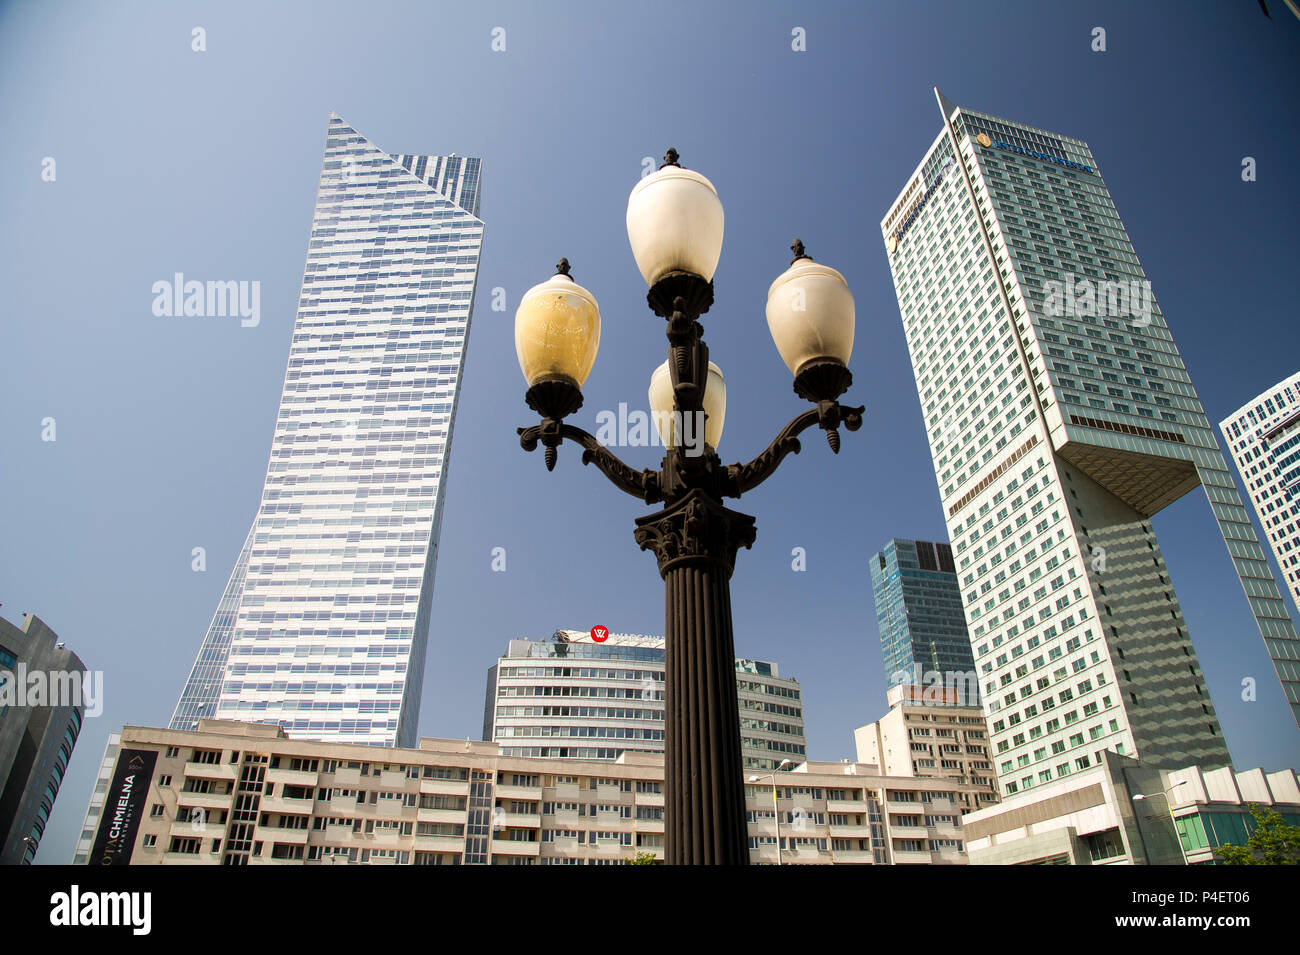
(675, 227)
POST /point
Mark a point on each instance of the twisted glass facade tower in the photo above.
(920, 616)
(1264, 440)
(323, 624)
(1060, 417)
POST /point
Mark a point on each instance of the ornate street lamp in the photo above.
(675, 225)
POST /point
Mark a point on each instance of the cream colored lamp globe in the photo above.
(715, 408)
(810, 314)
(557, 330)
(674, 223)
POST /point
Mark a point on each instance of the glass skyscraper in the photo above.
(1060, 418)
(323, 624)
(1264, 440)
(920, 616)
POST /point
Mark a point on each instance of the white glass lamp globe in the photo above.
(675, 223)
(715, 408)
(810, 314)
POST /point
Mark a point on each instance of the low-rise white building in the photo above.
(244, 793)
(1121, 812)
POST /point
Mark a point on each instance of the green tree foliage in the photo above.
(1272, 843)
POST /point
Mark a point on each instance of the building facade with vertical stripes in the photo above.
(323, 625)
(1264, 440)
(1060, 418)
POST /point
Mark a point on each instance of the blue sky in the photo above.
(206, 163)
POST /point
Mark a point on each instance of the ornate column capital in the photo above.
(695, 529)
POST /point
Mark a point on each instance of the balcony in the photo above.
(440, 815)
(566, 792)
(204, 800)
(445, 787)
(440, 843)
(850, 831)
(528, 793)
(566, 819)
(297, 837)
(285, 804)
(649, 799)
(384, 837)
(292, 777)
(391, 808)
(506, 847)
(228, 771)
(337, 833)
(909, 857)
(344, 805)
(205, 830)
(521, 820)
(347, 778)
(853, 857)
(190, 858)
(846, 805)
(764, 854)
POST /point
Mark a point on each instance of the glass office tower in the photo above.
(922, 624)
(1264, 440)
(323, 624)
(1060, 418)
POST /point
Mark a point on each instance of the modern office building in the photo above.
(574, 698)
(930, 732)
(1122, 812)
(323, 624)
(1264, 440)
(98, 797)
(1060, 418)
(43, 697)
(922, 623)
(246, 794)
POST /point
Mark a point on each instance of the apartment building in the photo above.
(246, 794)
(928, 732)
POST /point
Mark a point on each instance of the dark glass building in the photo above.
(923, 634)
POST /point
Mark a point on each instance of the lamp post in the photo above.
(675, 226)
(1165, 793)
(776, 812)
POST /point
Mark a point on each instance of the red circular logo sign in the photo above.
(600, 634)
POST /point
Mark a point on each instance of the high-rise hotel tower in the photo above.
(1060, 418)
(323, 624)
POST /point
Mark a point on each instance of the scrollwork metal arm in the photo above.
(829, 415)
(642, 484)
